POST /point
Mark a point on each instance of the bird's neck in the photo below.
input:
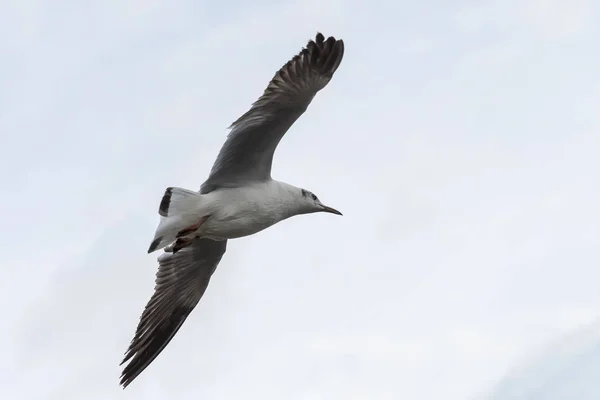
(285, 199)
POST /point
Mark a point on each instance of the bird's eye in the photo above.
(314, 197)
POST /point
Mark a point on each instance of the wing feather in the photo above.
(181, 281)
(247, 154)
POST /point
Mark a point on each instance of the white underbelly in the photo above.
(233, 228)
(228, 223)
(244, 211)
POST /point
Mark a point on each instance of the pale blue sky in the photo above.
(566, 368)
(460, 140)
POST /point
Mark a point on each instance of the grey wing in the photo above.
(181, 280)
(247, 154)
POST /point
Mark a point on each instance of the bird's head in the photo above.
(312, 204)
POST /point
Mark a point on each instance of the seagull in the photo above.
(238, 199)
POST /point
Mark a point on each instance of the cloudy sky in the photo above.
(460, 139)
(566, 368)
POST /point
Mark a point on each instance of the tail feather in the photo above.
(175, 200)
(175, 203)
(155, 243)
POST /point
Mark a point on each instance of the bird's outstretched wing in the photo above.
(181, 280)
(247, 154)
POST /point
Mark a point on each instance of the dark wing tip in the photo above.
(149, 342)
(324, 54)
(320, 55)
(312, 68)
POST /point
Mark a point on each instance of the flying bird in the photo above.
(238, 199)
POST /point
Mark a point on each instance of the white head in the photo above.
(310, 203)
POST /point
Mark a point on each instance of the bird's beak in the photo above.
(331, 210)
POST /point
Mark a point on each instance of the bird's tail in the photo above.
(175, 209)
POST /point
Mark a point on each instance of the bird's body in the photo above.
(238, 199)
(249, 209)
(231, 212)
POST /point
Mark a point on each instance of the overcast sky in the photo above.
(567, 368)
(460, 141)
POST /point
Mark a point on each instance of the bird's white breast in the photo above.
(243, 211)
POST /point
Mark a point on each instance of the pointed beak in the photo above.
(331, 210)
